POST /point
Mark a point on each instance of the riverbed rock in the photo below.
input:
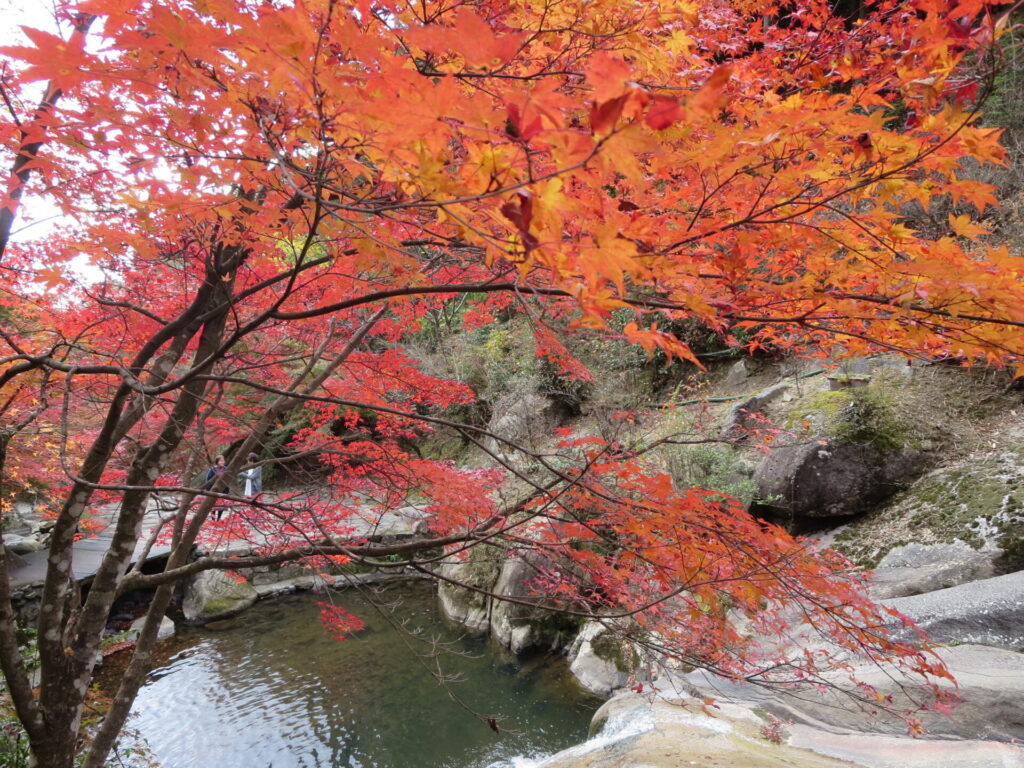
(24, 545)
(888, 751)
(737, 374)
(42, 527)
(622, 726)
(269, 575)
(525, 418)
(987, 612)
(914, 569)
(637, 733)
(213, 595)
(13, 560)
(22, 516)
(225, 548)
(600, 661)
(306, 581)
(991, 687)
(275, 588)
(521, 621)
(165, 630)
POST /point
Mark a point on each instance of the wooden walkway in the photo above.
(88, 552)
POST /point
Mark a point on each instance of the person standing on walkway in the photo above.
(220, 466)
(252, 477)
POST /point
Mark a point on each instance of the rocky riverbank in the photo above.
(915, 472)
(669, 731)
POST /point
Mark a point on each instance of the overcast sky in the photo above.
(30, 13)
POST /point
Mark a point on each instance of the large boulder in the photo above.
(827, 477)
(599, 660)
(213, 595)
(847, 451)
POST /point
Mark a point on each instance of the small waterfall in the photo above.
(623, 724)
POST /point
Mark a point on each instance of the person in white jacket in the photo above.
(252, 477)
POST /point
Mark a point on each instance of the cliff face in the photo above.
(872, 455)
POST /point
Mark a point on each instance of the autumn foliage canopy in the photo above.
(259, 201)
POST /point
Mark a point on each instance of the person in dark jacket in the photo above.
(220, 466)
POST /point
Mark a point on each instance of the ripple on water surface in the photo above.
(269, 689)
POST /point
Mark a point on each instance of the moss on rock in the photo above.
(979, 501)
(480, 569)
(862, 415)
(220, 607)
(611, 648)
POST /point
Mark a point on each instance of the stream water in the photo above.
(270, 689)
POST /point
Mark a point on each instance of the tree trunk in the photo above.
(57, 749)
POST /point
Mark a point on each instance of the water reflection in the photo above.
(270, 689)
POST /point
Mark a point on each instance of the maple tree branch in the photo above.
(922, 309)
(322, 548)
(7, 101)
(810, 206)
(31, 146)
(651, 303)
